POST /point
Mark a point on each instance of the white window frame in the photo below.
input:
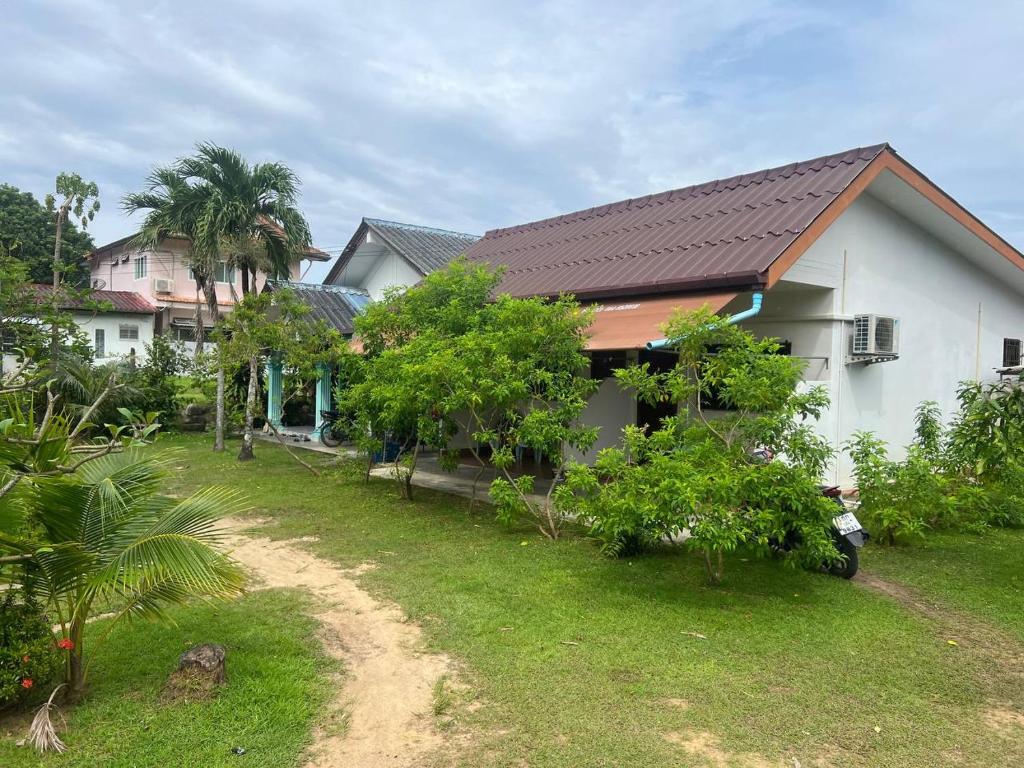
(141, 267)
(100, 342)
(128, 332)
(223, 273)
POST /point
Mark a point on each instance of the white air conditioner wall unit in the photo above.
(875, 336)
(163, 285)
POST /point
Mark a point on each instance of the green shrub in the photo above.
(28, 655)
(899, 499)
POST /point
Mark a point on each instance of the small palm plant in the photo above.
(110, 541)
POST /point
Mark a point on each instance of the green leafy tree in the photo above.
(698, 474)
(395, 398)
(28, 233)
(446, 358)
(106, 537)
(521, 381)
(74, 197)
(277, 323)
(229, 211)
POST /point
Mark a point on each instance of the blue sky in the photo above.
(471, 115)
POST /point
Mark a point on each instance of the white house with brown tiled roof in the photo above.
(891, 291)
(118, 324)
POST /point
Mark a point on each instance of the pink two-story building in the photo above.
(162, 276)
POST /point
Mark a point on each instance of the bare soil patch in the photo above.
(386, 699)
(704, 745)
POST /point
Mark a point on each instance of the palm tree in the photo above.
(231, 212)
(109, 539)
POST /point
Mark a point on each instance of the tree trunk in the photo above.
(210, 289)
(55, 299)
(713, 566)
(199, 329)
(246, 454)
(76, 669)
(245, 281)
(218, 425)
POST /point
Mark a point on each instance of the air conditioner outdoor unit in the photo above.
(163, 285)
(875, 336)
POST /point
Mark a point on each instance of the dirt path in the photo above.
(970, 632)
(388, 689)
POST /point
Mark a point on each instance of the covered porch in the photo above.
(337, 306)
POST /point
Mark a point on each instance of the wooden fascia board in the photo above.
(889, 161)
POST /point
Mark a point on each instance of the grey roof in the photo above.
(426, 248)
(334, 304)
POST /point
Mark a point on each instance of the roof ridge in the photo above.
(419, 228)
(694, 190)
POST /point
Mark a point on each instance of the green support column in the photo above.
(323, 396)
(274, 391)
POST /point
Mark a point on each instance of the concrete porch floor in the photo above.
(302, 437)
(429, 474)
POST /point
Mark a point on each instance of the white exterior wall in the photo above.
(115, 348)
(391, 270)
(612, 409)
(893, 267)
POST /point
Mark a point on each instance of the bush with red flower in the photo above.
(28, 655)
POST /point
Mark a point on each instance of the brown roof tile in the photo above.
(127, 302)
(721, 233)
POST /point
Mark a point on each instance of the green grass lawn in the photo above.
(275, 690)
(983, 575)
(572, 659)
(794, 664)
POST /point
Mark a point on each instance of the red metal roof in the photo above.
(128, 302)
(723, 233)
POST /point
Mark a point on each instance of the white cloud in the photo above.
(470, 115)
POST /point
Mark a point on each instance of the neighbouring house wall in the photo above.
(391, 270)
(110, 323)
(893, 267)
(169, 261)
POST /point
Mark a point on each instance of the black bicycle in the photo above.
(330, 435)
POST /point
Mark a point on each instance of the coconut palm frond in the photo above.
(42, 733)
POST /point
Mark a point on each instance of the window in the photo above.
(183, 333)
(222, 272)
(603, 364)
(100, 345)
(8, 340)
(1011, 352)
(128, 332)
(140, 267)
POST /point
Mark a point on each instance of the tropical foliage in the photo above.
(445, 358)
(28, 232)
(82, 524)
(229, 212)
(107, 538)
(701, 475)
(968, 475)
(29, 657)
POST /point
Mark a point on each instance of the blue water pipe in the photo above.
(756, 300)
